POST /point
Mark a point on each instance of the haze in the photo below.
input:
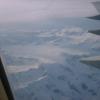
(36, 10)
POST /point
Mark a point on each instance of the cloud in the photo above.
(24, 68)
(73, 29)
(50, 53)
(35, 10)
(77, 35)
(45, 53)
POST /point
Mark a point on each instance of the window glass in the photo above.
(51, 48)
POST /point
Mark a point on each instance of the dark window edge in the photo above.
(5, 81)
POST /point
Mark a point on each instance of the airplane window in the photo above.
(51, 48)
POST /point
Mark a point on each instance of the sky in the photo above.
(12, 11)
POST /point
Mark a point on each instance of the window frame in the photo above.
(5, 81)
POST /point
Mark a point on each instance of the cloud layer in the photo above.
(35, 10)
